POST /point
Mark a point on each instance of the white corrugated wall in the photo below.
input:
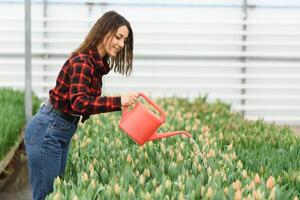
(182, 48)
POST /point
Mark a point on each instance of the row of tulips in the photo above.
(12, 117)
(227, 158)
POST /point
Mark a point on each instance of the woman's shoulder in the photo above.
(78, 57)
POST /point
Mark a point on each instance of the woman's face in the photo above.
(113, 43)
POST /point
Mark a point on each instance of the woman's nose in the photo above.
(121, 43)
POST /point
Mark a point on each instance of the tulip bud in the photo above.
(93, 184)
(57, 181)
(239, 164)
(225, 191)
(158, 191)
(233, 156)
(257, 195)
(226, 157)
(179, 158)
(272, 194)
(129, 159)
(257, 179)
(237, 185)
(76, 137)
(209, 193)
(181, 196)
(211, 153)
(89, 140)
(221, 136)
(117, 189)
(94, 161)
(204, 129)
(75, 197)
(270, 182)
(199, 167)
(147, 173)
(200, 138)
(146, 156)
(229, 146)
(57, 196)
(85, 177)
(147, 196)
(142, 179)
(130, 190)
(154, 182)
(91, 167)
(244, 174)
(168, 184)
(238, 195)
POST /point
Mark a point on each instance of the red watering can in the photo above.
(141, 124)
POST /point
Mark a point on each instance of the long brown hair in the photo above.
(109, 23)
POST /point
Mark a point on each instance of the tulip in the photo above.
(130, 191)
(117, 189)
(142, 179)
(168, 184)
(57, 196)
(57, 181)
(209, 193)
(179, 157)
(225, 191)
(239, 165)
(147, 196)
(75, 197)
(147, 173)
(244, 174)
(257, 179)
(205, 129)
(93, 183)
(221, 137)
(272, 194)
(238, 195)
(199, 167)
(129, 159)
(270, 182)
(211, 153)
(157, 191)
(85, 177)
(257, 195)
(237, 185)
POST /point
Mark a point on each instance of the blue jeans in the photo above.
(47, 138)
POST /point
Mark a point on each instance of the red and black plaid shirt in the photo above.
(78, 86)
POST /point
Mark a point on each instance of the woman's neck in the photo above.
(101, 51)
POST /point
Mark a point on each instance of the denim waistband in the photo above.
(69, 117)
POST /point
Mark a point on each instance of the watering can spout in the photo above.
(156, 135)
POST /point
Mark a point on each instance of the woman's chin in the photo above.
(112, 54)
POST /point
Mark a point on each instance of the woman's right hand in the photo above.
(129, 98)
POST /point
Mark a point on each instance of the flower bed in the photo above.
(12, 121)
(228, 158)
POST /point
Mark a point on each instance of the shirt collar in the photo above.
(100, 64)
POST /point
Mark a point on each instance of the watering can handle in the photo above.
(161, 112)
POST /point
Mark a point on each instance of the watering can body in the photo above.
(141, 124)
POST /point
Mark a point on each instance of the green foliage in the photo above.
(12, 117)
(228, 156)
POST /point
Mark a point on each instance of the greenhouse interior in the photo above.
(140, 99)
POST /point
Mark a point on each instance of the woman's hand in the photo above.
(129, 98)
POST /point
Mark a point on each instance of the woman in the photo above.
(108, 45)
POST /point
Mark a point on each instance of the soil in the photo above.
(14, 181)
